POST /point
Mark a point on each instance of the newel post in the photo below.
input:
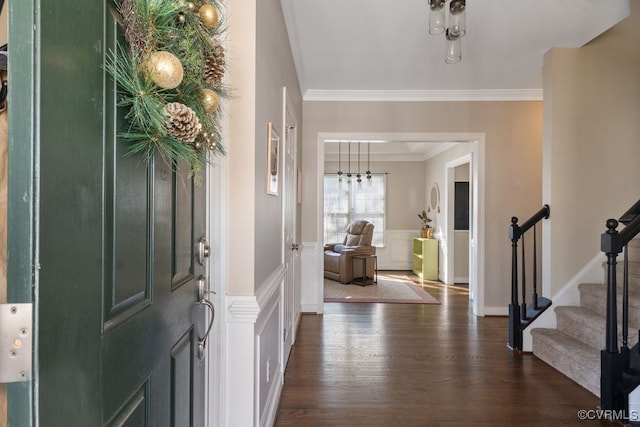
(612, 363)
(515, 334)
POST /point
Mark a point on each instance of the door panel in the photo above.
(118, 324)
(291, 255)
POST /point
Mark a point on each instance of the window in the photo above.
(345, 202)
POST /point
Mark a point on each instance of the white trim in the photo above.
(496, 311)
(423, 95)
(569, 295)
(217, 274)
(243, 308)
(268, 417)
(311, 289)
(270, 310)
(397, 254)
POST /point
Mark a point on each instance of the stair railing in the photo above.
(522, 314)
(615, 362)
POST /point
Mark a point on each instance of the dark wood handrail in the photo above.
(516, 231)
(631, 213)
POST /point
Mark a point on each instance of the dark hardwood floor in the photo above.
(420, 365)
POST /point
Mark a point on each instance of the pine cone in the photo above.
(183, 123)
(214, 64)
(133, 28)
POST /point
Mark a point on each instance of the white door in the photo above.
(291, 253)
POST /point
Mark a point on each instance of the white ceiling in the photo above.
(381, 49)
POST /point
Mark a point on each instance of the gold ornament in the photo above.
(165, 69)
(208, 15)
(210, 100)
(181, 18)
(191, 6)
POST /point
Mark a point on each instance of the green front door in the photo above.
(105, 244)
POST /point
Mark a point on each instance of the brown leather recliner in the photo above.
(338, 263)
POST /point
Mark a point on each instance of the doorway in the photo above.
(460, 214)
(476, 143)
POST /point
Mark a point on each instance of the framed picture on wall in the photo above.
(273, 151)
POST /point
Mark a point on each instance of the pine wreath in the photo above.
(170, 76)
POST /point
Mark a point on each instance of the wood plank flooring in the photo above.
(420, 365)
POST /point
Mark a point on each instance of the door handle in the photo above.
(295, 247)
(202, 300)
(203, 250)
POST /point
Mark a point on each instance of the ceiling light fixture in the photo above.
(339, 162)
(359, 180)
(368, 164)
(457, 26)
(349, 165)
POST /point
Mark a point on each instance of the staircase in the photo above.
(574, 347)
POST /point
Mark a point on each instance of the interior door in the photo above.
(115, 243)
(291, 253)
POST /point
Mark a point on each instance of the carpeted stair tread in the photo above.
(572, 357)
(593, 296)
(582, 324)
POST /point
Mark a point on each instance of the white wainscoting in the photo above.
(398, 250)
(311, 284)
(254, 333)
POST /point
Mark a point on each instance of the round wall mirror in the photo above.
(435, 198)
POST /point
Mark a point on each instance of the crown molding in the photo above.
(424, 95)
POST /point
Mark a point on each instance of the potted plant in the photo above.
(427, 230)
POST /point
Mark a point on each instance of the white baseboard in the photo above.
(567, 296)
(496, 311)
(309, 308)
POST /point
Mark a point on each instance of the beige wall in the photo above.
(405, 192)
(513, 160)
(257, 40)
(591, 143)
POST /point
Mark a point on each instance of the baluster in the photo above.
(523, 306)
(534, 295)
(625, 308)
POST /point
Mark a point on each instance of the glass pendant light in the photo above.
(349, 165)
(457, 18)
(454, 48)
(369, 183)
(436, 16)
(339, 173)
(358, 176)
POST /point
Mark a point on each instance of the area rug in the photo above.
(388, 290)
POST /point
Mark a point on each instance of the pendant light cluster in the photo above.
(457, 25)
(340, 173)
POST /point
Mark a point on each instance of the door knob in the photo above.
(203, 250)
(295, 247)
